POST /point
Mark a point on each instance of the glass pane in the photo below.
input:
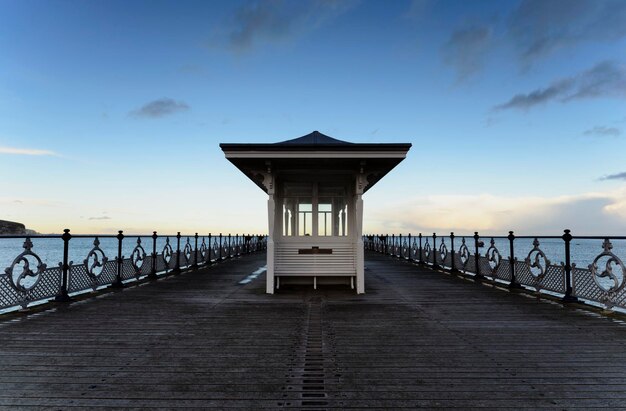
(305, 224)
(305, 216)
(325, 217)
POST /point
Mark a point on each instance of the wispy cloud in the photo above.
(26, 151)
(466, 50)
(605, 79)
(418, 9)
(540, 27)
(278, 20)
(618, 176)
(160, 108)
(104, 217)
(603, 131)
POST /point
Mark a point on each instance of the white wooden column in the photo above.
(361, 184)
(360, 255)
(271, 217)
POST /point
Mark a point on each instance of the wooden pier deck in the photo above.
(417, 339)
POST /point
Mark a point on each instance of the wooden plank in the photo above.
(416, 339)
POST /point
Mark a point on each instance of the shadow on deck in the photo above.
(417, 339)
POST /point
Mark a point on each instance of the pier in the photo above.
(418, 338)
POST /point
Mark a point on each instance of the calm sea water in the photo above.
(583, 251)
(50, 250)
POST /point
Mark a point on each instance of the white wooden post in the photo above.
(271, 217)
(360, 255)
(271, 213)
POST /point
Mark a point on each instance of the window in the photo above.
(314, 209)
(305, 217)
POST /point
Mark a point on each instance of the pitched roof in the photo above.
(314, 138)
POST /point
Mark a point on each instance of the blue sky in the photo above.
(111, 112)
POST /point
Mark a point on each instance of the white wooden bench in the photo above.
(330, 260)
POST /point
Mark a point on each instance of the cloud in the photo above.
(618, 176)
(540, 27)
(278, 20)
(418, 9)
(160, 108)
(26, 151)
(605, 214)
(99, 218)
(603, 131)
(466, 49)
(605, 79)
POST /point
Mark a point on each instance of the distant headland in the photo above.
(13, 228)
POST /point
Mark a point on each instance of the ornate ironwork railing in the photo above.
(28, 280)
(599, 278)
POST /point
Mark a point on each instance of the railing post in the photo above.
(195, 252)
(477, 256)
(63, 296)
(452, 256)
(230, 249)
(154, 256)
(435, 251)
(386, 244)
(220, 258)
(400, 246)
(120, 261)
(410, 248)
(514, 283)
(421, 260)
(568, 298)
(210, 249)
(177, 268)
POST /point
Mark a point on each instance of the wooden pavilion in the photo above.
(315, 185)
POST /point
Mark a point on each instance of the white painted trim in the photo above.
(315, 154)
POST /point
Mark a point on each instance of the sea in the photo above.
(50, 250)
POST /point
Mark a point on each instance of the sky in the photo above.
(111, 112)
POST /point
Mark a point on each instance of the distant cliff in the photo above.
(13, 228)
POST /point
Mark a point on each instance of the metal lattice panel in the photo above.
(523, 274)
(620, 299)
(128, 271)
(471, 265)
(80, 280)
(447, 263)
(160, 263)
(485, 268)
(504, 271)
(554, 279)
(47, 287)
(414, 251)
(9, 296)
(458, 264)
(583, 285)
(146, 268)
